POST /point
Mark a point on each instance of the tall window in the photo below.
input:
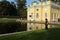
(37, 27)
(37, 15)
(45, 15)
(31, 26)
(54, 16)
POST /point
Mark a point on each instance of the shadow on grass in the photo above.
(50, 34)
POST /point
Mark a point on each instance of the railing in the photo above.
(55, 4)
(40, 22)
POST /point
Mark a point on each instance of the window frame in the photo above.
(37, 15)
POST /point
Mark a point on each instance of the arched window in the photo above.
(45, 15)
(37, 15)
(31, 26)
(37, 27)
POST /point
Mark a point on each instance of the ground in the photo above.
(50, 34)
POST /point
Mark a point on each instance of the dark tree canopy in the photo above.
(7, 9)
(21, 6)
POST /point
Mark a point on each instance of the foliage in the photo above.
(21, 6)
(10, 9)
(7, 9)
(51, 34)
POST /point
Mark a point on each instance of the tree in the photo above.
(13, 4)
(3, 0)
(21, 6)
(7, 9)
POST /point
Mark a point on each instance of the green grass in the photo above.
(51, 34)
(3, 20)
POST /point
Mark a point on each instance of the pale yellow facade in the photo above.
(39, 11)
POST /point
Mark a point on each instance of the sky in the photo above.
(28, 1)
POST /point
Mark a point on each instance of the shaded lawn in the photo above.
(51, 34)
(4, 20)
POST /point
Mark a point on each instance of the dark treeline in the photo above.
(21, 6)
(13, 9)
(7, 9)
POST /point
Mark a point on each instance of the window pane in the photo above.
(37, 28)
(37, 15)
(45, 15)
(31, 26)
